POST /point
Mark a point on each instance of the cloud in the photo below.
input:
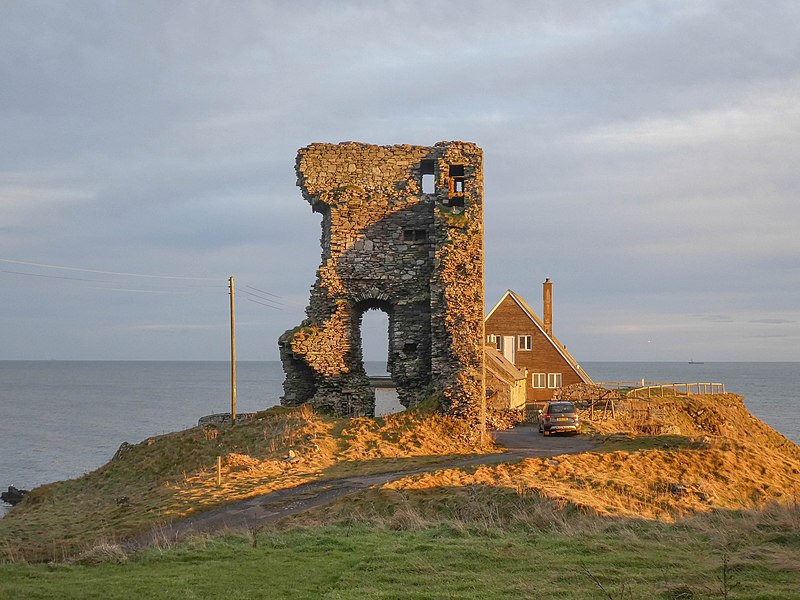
(772, 336)
(771, 321)
(717, 318)
(642, 154)
(762, 114)
(31, 195)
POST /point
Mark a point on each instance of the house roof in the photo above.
(538, 323)
(506, 368)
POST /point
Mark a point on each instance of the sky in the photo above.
(643, 155)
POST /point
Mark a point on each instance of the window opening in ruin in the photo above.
(414, 235)
(409, 347)
(428, 182)
(456, 185)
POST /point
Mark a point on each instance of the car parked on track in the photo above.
(559, 416)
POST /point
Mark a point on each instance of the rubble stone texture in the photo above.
(386, 245)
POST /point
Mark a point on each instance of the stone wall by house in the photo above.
(387, 245)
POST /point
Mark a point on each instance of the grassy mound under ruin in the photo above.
(172, 476)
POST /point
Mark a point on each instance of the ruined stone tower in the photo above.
(402, 231)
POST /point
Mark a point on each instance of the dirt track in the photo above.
(526, 441)
(519, 443)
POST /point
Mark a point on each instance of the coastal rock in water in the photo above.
(13, 496)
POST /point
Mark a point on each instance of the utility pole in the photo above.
(482, 345)
(233, 359)
(483, 389)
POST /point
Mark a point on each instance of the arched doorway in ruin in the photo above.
(407, 352)
(374, 337)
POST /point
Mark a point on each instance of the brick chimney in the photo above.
(547, 306)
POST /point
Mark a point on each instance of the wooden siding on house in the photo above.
(506, 382)
(513, 317)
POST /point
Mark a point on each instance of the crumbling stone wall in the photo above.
(387, 245)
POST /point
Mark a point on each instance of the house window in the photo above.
(538, 380)
(426, 171)
(524, 342)
(494, 340)
(414, 235)
(554, 380)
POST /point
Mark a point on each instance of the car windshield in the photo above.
(560, 409)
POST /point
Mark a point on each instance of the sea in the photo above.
(61, 419)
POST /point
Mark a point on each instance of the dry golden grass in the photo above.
(649, 484)
(722, 458)
(722, 415)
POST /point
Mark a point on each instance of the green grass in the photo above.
(628, 559)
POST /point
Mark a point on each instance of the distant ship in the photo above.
(695, 362)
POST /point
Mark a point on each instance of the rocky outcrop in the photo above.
(585, 391)
(13, 495)
(219, 419)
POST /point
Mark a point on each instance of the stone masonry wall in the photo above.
(387, 245)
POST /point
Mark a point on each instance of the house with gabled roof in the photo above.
(528, 342)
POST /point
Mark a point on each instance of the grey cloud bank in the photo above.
(641, 154)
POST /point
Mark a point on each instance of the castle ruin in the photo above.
(402, 232)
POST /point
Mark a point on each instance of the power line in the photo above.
(264, 304)
(263, 298)
(110, 289)
(46, 276)
(263, 292)
(104, 285)
(123, 273)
